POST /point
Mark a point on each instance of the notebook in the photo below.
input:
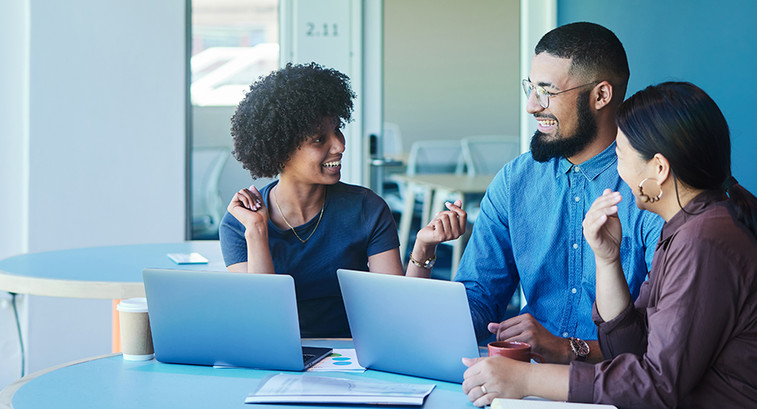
(228, 319)
(412, 326)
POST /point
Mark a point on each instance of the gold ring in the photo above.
(483, 389)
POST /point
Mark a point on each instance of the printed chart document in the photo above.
(340, 360)
(537, 403)
(287, 388)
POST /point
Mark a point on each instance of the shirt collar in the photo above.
(592, 167)
(696, 206)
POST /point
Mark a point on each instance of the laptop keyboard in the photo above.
(307, 357)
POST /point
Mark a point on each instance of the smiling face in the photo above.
(633, 169)
(568, 125)
(319, 159)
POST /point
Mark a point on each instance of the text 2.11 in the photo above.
(322, 30)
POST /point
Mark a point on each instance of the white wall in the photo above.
(451, 69)
(103, 83)
(106, 122)
(14, 99)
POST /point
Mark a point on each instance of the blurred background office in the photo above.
(114, 119)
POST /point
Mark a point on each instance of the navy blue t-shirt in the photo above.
(356, 224)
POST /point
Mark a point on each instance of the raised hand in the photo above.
(603, 233)
(602, 227)
(447, 225)
(247, 207)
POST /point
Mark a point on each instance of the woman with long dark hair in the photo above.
(690, 339)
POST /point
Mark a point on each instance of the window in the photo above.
(233, 43)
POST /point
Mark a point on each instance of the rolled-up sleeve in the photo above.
(687, 327)
(581, 384)
(626, 333)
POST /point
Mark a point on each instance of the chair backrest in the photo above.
(216, 176)
(392, 139)
(487, 154)
(231, 178)
(435, 156)
(207, 163)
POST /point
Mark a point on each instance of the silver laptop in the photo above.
(412, 326)
(229, 319)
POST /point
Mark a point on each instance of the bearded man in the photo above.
(529, 229)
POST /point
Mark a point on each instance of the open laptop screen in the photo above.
(221, 318)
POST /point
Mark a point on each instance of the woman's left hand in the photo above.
(447, 225)
(602, 227)
(500, 377)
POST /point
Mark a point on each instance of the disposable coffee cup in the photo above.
(136, 337)
(520, 351)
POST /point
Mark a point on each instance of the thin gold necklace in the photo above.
(276, 200)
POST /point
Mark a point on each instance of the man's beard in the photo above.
(586, 132)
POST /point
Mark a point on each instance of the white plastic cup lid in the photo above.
(137, 304)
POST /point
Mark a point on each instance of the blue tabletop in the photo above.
(110, 263)
(113, 382)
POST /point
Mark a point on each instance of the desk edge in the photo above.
(70, 288)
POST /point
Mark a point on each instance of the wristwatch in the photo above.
(428, 263)
(580, 348)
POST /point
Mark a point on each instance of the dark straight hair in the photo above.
(682, 122)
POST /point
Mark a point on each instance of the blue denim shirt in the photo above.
(529, 231)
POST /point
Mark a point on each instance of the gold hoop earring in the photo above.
(648, 198)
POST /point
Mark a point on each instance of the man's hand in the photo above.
(525, 328)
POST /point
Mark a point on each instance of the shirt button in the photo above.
(575, 245)
(565, 335)
(577, 199)
(576, 169)
(574, 291)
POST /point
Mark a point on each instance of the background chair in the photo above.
(487, 154)
(388, 157)
(392, 140)
(429, 156)
(206, 165)
(482, 155)
(216, 177)
(435, 156)
(425, 157)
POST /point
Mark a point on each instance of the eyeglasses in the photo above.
(542, 95)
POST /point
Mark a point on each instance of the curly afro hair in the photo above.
(282, 109)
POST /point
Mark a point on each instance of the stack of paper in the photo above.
(287, 388)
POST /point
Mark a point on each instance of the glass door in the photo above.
(233, 43)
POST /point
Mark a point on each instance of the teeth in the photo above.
(547, 122)
(332, 164)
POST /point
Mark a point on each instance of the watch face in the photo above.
(579, 347)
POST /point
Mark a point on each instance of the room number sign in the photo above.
(323, 33)
(321, 29)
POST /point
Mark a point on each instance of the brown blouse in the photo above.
(690, 340)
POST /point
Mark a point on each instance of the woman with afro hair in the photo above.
(307, 223)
